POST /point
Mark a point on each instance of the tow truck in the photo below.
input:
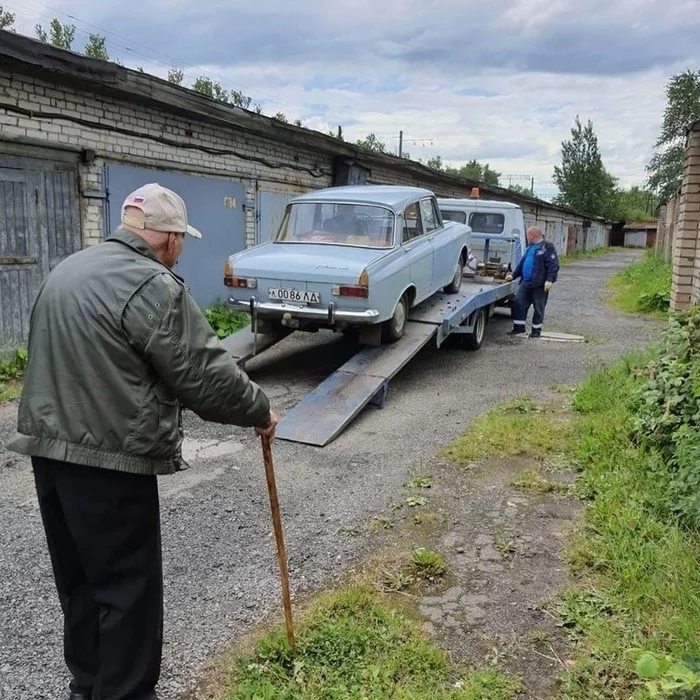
(498, 242)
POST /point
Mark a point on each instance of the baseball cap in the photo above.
(163, 210)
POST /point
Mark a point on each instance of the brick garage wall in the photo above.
(685, 289)
(287, 164)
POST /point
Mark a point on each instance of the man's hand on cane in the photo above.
(268, 431)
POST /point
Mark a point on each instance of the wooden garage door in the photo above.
(39, 226)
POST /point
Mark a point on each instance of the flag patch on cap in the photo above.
(137, 200)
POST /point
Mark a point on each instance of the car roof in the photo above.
(476, 203)
(396, 197)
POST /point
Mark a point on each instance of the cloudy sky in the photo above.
(496, 80)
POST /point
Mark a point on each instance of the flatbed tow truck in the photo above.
(364, 379)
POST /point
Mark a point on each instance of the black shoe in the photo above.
(536, 333)
(516, 330)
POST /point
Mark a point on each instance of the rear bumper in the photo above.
(329, 314)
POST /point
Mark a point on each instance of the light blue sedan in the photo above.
(350, 257)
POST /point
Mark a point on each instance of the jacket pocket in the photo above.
(158, 432)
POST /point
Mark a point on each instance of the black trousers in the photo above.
(528, 296)
(103, 534)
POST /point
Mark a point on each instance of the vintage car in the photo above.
(348, 258)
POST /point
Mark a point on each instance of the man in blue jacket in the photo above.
(537, 271)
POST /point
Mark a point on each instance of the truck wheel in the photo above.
(393, 329)
(475, 339)
(454, 286)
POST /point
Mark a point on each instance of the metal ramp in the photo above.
(326, 411)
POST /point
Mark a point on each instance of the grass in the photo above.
(11, 373)
(588, 255)
(514, 428)
(643, 287)
(350, 646)
(638, 575)
(224, 320)
(531, 479)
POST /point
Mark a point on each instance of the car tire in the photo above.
(394, 328)
(475, 339)
(455, 285)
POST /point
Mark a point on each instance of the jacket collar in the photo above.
(136, 243)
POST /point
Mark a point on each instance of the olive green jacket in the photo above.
(117, 345)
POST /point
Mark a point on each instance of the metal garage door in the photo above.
(214, 205)
(39, 226)
(272, 200)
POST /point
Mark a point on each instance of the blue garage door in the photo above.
(214, 206)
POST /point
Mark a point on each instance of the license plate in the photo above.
(301, 296)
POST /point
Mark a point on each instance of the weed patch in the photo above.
(225, 321)
(11, 373)
(588, 255)
(351, 646)
(531, 479)
(643, 287)
(634, 612)
(517, 427)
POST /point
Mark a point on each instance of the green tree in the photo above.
(521, 189)
(665, 169)
(238, 99)
(59, 34)
(7, 19)
(95, 47)
(206, 86)
(435, 162)
(280, 117)
(297, 122)
(583, 182)
(372, 143)
(473, 170)
(636, 203)
(175, 76)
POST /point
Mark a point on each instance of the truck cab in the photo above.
(497, 233)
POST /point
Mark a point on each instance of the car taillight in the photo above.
(245, 282)
(350, 291)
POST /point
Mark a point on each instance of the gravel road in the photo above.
(220, 568)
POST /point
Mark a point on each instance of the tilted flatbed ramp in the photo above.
(327, 410)
(244, 344)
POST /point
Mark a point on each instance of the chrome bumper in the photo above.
(329, 313)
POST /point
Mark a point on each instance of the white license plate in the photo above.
(301, 296)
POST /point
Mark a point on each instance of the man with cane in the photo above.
(117, 346)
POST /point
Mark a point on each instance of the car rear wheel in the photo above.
(454, 286)
(394, 328)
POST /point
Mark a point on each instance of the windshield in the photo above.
(337, 224)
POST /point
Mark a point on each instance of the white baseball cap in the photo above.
(163, 210)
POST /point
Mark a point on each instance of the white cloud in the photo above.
(499, 81)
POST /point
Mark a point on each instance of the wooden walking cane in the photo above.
(279, 537)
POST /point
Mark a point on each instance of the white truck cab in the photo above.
(498, 232)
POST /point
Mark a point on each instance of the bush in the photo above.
(667, 416)
(13, 368)
(224, 321)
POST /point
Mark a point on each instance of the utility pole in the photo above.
(532, 186)
(400, 144)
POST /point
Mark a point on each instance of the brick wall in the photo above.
(685, 289)
(285, 163)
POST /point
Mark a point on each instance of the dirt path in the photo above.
(220, 569)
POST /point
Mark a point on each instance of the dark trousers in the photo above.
(526, 297)
(103, 534)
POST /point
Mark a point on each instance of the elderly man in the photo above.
(537, 271)
(117, 346)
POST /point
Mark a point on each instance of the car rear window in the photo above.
(337, 224)
(487, 222)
